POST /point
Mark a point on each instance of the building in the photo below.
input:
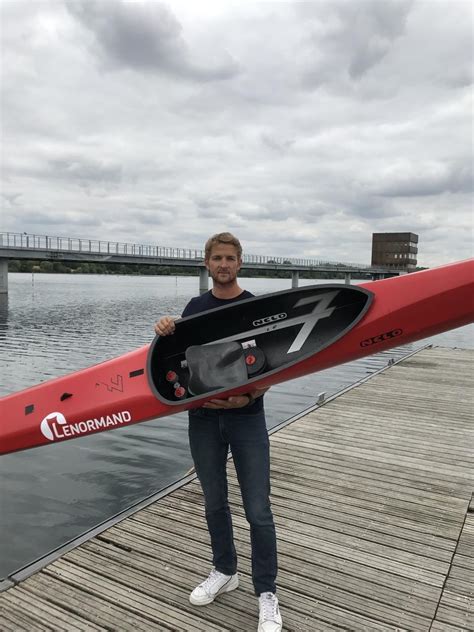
(395, 250)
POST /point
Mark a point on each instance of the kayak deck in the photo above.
(251, 339)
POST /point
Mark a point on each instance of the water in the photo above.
(55, 324)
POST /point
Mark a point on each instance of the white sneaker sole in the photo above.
(232, 584)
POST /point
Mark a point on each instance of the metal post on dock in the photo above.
(4, 276)
(295, 275)
(348, 278)
(203, 280)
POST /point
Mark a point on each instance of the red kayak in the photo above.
(254, 343)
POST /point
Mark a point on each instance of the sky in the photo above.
(301, 127)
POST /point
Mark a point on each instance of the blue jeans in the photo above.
(210, 436)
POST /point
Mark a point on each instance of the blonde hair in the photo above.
(222, 238)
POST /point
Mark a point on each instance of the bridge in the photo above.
(47, 248)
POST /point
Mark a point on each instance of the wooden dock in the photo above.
(372, 497)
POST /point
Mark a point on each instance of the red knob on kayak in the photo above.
(180, 392)
(254, 360)
(171, 376)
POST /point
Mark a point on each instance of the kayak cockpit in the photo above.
(231, 346)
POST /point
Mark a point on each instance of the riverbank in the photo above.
(59, 267)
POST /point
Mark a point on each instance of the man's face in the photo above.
(223, 263)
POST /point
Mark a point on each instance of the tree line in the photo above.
(86, 267)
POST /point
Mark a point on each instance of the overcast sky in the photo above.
(302, 127)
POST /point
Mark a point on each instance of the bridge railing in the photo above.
(94, 246)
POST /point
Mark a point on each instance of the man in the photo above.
(239, 423)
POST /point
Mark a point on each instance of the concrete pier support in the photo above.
(203, 280)
(295, 278)
(348, 278)
(4, 276)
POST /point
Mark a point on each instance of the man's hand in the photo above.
(235, 401)
(165, 326)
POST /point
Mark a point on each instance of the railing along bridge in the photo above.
(45, 247)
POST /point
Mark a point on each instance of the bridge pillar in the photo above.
(348, 278)
(203, 280)
(295, 278)
(3, 276)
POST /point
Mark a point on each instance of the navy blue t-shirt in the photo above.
(209, 301)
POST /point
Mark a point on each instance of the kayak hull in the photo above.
(122, 392)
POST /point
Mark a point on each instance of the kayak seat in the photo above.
(215, 366)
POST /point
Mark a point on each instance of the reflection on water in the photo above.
(55, 324)
(3, 314)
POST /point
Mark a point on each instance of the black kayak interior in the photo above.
(234, 345)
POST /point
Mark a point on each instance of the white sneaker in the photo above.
(269, 619)
(216, 584)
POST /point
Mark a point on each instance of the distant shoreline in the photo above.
(58, 267)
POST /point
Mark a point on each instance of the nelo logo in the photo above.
(55, 425)
(381, 337)
(52, 418)
(269, 319)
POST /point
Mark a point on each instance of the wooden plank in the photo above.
(309, 475)
(466, 550)
(462, 587)
(415, 444)
(307, 539)
(304, 580)
(456, 606)
(147, 606)
(15, 620)
(458, 600)
(51, 615)
(306, 614)
(329, 518)
(142, 575)
(294, 549)
(384, 456)
(347, 512)
(442, 626)
(334, 570)
(396, 507)
(455, 617)
(90, 606)
(15, 616)
(464, 561)
(184, 571)
(379, 611)
(364, 469)
(460, 573)
(319, 528)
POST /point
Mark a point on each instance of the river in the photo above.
(54, 324)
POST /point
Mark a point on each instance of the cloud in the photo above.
(303, 127)
(84, 171)
(418, 180)
(145, 36)
(348, 39)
